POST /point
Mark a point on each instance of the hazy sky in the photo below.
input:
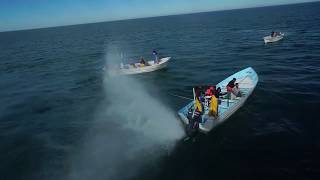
(28, 14)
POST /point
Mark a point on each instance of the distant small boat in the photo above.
(247, 80)
(270, 39)
(150, 66)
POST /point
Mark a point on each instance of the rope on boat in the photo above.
(182, 97)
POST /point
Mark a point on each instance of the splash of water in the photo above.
(132, 129)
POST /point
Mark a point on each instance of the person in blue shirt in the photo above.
(155, 53)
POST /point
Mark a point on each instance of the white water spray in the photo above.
(133, 129)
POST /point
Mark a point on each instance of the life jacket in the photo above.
(213, 110)
(198, 105)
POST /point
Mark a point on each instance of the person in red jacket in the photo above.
(231, 85)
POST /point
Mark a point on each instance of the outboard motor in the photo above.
(193, 125)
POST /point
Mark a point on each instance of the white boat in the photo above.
(270, 39)
(247, 80)
(150, 66)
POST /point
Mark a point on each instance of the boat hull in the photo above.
(269, 39)
(152, 67)
(247, 80)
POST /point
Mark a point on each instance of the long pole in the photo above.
(194, 98)
(194, 94)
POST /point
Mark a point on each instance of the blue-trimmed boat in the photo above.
(247, 80)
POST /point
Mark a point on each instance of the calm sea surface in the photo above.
(51, 86)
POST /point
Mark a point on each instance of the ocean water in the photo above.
(56, 121)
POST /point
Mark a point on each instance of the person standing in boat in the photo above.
(215, 101)
(194, 117)
(272, 34)
(198, 111)
(195, 114)
(155, 53)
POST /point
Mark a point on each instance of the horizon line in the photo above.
(137, 18)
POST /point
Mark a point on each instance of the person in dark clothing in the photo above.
(142, 61)
(218, 93)
(272, 34)
(231, 84)
(230, 87)
(194, 117)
